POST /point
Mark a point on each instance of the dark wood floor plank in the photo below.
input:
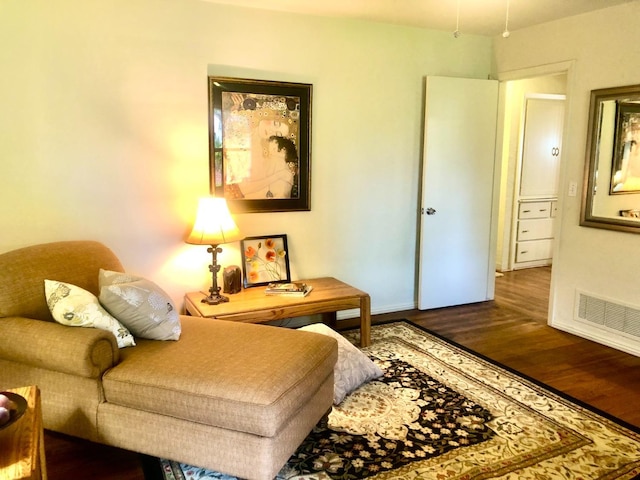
(512, 330)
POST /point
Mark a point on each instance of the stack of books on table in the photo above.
(296, 289)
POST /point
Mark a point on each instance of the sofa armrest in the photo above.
(87, 352)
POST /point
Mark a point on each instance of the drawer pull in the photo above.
(526, 211)
(525, 231)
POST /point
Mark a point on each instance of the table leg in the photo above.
(330, 319)
(365, 321)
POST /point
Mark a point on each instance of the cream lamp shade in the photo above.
(213, 224)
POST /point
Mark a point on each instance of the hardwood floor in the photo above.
(511, 330)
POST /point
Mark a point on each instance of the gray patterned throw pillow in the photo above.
(141, 305)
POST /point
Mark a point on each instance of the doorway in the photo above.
(515, 88)
(517, 95)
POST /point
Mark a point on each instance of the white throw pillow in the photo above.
(141, 305)
(76, 307)
(353, 367)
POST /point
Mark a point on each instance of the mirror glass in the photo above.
(611, 193)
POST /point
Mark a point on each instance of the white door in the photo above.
(541, 151)
(456, 262)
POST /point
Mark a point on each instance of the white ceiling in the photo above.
(480, 17)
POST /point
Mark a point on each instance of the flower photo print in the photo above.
(265, 260)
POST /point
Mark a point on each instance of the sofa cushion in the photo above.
(22, 274)
(140, 305)
(74, 306)
(237, 376)
(353, 367)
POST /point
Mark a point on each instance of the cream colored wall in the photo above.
(103, 132)
(602, 46)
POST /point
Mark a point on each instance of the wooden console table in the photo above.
(252, 305)
(22, 444)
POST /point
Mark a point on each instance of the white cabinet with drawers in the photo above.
(534, 236)
(533, 212)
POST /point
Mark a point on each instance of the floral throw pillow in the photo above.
(353, 367)
(74, 306)
(141, 305)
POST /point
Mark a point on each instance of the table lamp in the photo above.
(213, 226)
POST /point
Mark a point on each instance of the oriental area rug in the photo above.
(443, 412)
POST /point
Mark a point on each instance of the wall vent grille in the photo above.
(609, 314)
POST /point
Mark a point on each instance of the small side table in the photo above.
(252, 305)
(22, 444)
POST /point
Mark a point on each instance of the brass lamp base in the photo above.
(214, 297)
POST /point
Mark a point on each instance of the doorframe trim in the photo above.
(565, 67)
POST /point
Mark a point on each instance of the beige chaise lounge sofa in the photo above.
(237, 398)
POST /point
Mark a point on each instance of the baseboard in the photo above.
(593, 334)
(354, 313)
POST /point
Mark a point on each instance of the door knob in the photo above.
(429, 211)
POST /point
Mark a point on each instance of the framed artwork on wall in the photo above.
(632, 213)
(260, 144)
(265, 260)
(625, 173)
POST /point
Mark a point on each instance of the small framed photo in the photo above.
(265, 260)
(260, 144)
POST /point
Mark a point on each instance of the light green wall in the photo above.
(601, 47)
(103, 132)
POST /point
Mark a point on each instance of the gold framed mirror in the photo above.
(611, 190)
